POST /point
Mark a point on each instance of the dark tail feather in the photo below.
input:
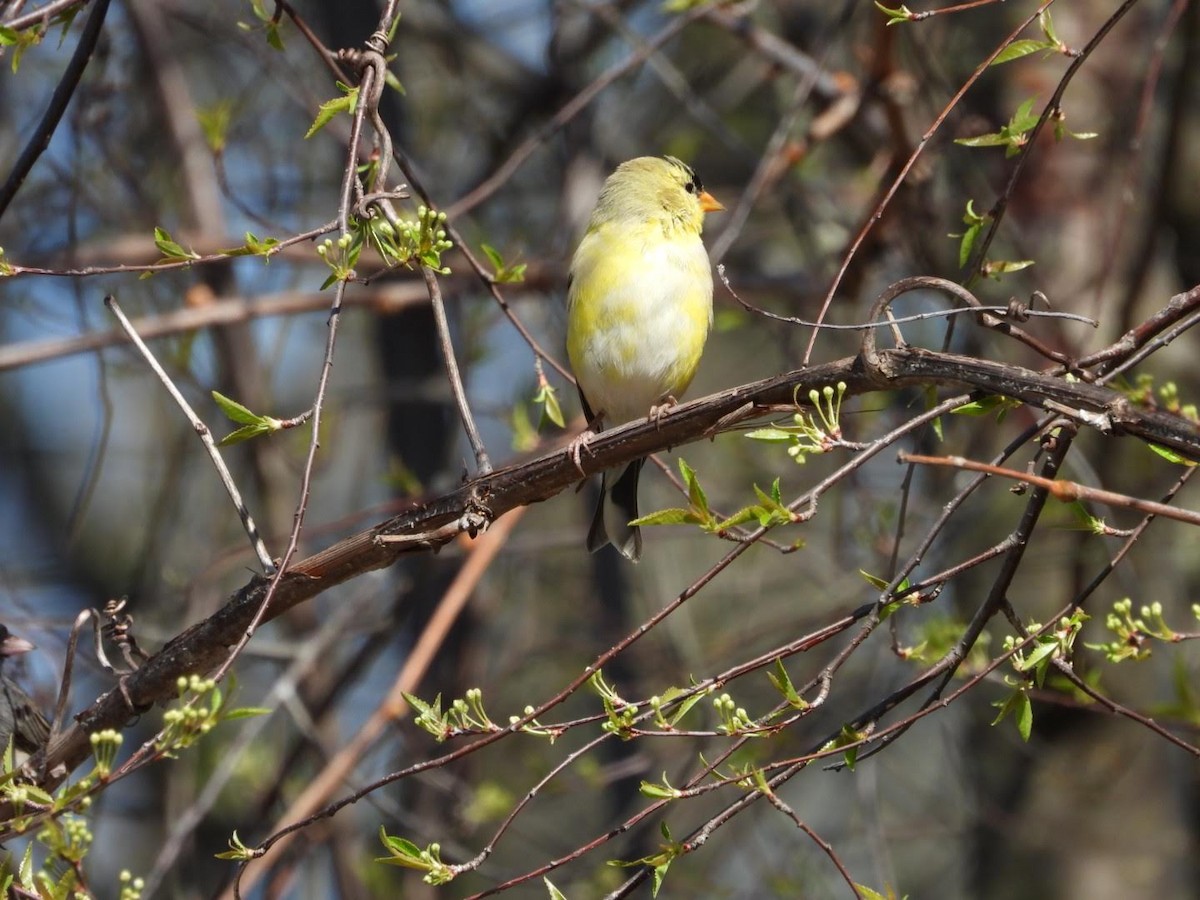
(597, 535)
(619, 501)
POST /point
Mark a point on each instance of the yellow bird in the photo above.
(639, 307)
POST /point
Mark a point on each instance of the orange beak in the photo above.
(709, 203)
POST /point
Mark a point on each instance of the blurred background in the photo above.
(799, 116)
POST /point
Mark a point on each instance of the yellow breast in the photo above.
(639, 311)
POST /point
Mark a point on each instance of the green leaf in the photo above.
(1011, 136)
(493, 256)
(968, 242)
(504, 273)
(1025, 717)
(246, 712)
(996, 268)
(1047, 26)
(983, 406)
(65, 20)
(1018, 704)
(685, 706)
(776, 491)
(1170, 455)
(547, 399)
(26, 868)
(421, 706)
(20, 41)
(214, 122)
(783, 683)
(403, 852)
(850, 757)
(246, 432)
(1017, 49)
(656, 791)
(741, 517)
(696, 493)
(660, 873)
(974, 222)
(874, 580)
(254, 246)
(899, 14)
(674, 516)
(1087, 522)
(234, 410)
(524, 435)
(1041, 653)
(770, 433)
(270, 26)
(331, 108)
(1024, 119)
(766, 499)
(169, 248)
(771, 510)
(995, 139)
(554, 893)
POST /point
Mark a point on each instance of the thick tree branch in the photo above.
(202, 647)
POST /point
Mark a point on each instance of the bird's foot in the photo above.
(658, 410)
(576, 447)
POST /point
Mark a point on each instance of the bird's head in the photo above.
(653, 189)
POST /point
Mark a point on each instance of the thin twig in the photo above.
(825, 846)
(1016, 311)
(1065, 491)
(40, 139)
(64, 687)
(456, 386)
(206, 437)
(42, 14)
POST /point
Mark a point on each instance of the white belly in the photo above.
(640, 340)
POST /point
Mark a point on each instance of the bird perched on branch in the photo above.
(639, 307)
(20, 719)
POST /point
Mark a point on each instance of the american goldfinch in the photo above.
(20, 720)
(639, 306)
